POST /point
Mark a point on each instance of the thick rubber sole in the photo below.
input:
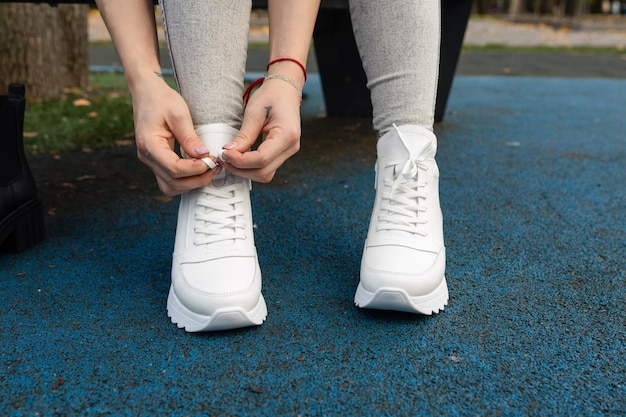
(22, 229)
(390, 298)
(223, 319)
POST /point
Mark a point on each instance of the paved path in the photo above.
(598, 31)
(532, 187)
(592, 32)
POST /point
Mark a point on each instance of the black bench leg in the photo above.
(454, 17)
(342, 76)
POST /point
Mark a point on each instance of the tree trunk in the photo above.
(43, 47)
(515, 7)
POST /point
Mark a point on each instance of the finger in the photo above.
(258, 175)
(172, 187)
(257, 159)
(181, 126)
(277, 146)
(260, 165)
(251, 128)
(167, 164)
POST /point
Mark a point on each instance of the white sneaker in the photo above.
(216, 279)
(404, 257)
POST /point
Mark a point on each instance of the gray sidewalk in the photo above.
(592, 30)
(605, 32)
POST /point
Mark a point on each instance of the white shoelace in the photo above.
(220, 212)
(400, 207)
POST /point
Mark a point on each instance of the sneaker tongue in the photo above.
(391, 147)
(214, 137)
(407, 142)
(401, 148)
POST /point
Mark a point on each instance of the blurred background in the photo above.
(65, 58)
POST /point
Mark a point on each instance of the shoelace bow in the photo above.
(400, 206)
(221, 213)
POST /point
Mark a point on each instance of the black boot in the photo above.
(21, 212)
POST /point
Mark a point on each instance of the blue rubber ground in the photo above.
(533, 190)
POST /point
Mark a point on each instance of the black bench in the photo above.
(342, 76)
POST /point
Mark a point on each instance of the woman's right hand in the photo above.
(161, 118)
(161, 115)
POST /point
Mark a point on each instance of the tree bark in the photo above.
(43, 47)
(515, 7)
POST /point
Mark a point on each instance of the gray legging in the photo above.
(398, 42)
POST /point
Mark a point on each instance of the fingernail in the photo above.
(217, 170)
(222, 156)
(230, 145)
(201, 150)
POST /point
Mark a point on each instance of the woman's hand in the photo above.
(161, 118)
(161, 115)
(273, 111)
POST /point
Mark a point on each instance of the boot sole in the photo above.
(22, 229)
(223, 319)
(390, 298)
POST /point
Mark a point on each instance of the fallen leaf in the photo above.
(352, 128)
(31, 134)
(256, 390)
(124, 142)
(163, 198)
(81, 102)
(86, 177)
(92, 114)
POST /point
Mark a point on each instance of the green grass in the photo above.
(98, 117)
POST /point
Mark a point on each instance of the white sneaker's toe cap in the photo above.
(206, 287)
(416, 272)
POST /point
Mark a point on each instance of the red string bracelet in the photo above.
(248, 92)
(295, 61)
(256, 83)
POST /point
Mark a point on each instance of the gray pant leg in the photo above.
(208, 42)
(398, 41)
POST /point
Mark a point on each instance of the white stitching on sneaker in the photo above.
(400, 209)
(221, 212)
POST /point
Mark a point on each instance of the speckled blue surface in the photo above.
(534, 197)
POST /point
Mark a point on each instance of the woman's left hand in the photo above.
(273, 111)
